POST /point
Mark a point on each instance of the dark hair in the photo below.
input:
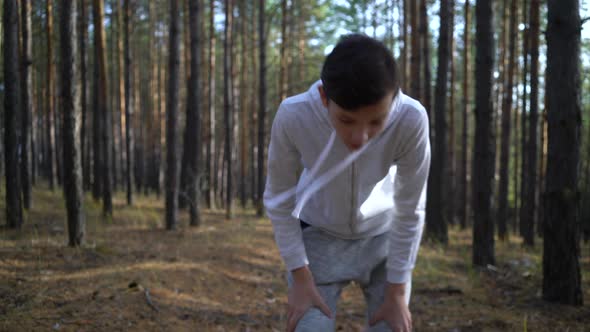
(358, 72)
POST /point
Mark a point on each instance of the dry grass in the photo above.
(227, 276)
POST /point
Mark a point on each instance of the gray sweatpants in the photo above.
(334, 262)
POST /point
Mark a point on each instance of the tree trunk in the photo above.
(451, 164)
(529, 187)
(51, 172)
(14, 214)
(404, 48)
(415, 89)
(192, 135)
(82, 36)
(129, 137)
(526, 224)
(484, 148)
(561, 245)
(172, 118)
(261, 106)
(70, 101)
(121, 91)
(228, 102)
(436, 223)
(506, 119)
(463, 202)
(243, 108)
(26, 104)
(284, 70)
(210, 195)
(427, 88)
(101, 106)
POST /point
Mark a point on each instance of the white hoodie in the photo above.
(380, 188)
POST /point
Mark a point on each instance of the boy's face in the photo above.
(355, 128)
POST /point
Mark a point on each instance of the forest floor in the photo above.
(132, 275)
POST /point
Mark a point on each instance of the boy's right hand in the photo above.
(303, 295)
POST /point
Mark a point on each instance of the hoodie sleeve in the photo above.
(409, 196)
(284, 162)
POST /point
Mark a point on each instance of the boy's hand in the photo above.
(303, 294)
(394, 309)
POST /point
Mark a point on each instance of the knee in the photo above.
(315, 320)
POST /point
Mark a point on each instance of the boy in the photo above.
(356, 213)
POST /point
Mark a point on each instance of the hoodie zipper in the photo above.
(352, 200)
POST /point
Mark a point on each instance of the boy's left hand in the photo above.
(394, 310)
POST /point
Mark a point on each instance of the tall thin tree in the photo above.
(561, 245)
(484, 147)
(14, 214)
(129, 137)
(261, 104)
(51, 162)
(463, 203)
(227, 104)
(415, 88)
(70, 101)
(171, 177)
(82, 40)
(211, 171)
(104, 149)
(506, 128)
(26, 100)
(192, 133)
(437, 225)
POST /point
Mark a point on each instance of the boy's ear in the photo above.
(323, 95)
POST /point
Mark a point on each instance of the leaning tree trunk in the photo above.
(561, 245)
(506, 129)
(483, 152)
(101, 107)
(261, 106)
(70, 101)
(436, 223)
(26, 102)
(172, 118)
(14, 214)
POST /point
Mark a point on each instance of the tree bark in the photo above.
(211, 137)
(227, 103)
(129, 137)
(26, 103)
(529, 187)
(105, 175)
(284, 71)
(51, 162)
(70, 97)
(561, 245)
(437, 226)
(506, 129)
(82, 37)
(484, 148)
(172, 118)
(261, 106)
(192, 136)
(427, 88)
(415, 88)
(14, 214)
(463, 202)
